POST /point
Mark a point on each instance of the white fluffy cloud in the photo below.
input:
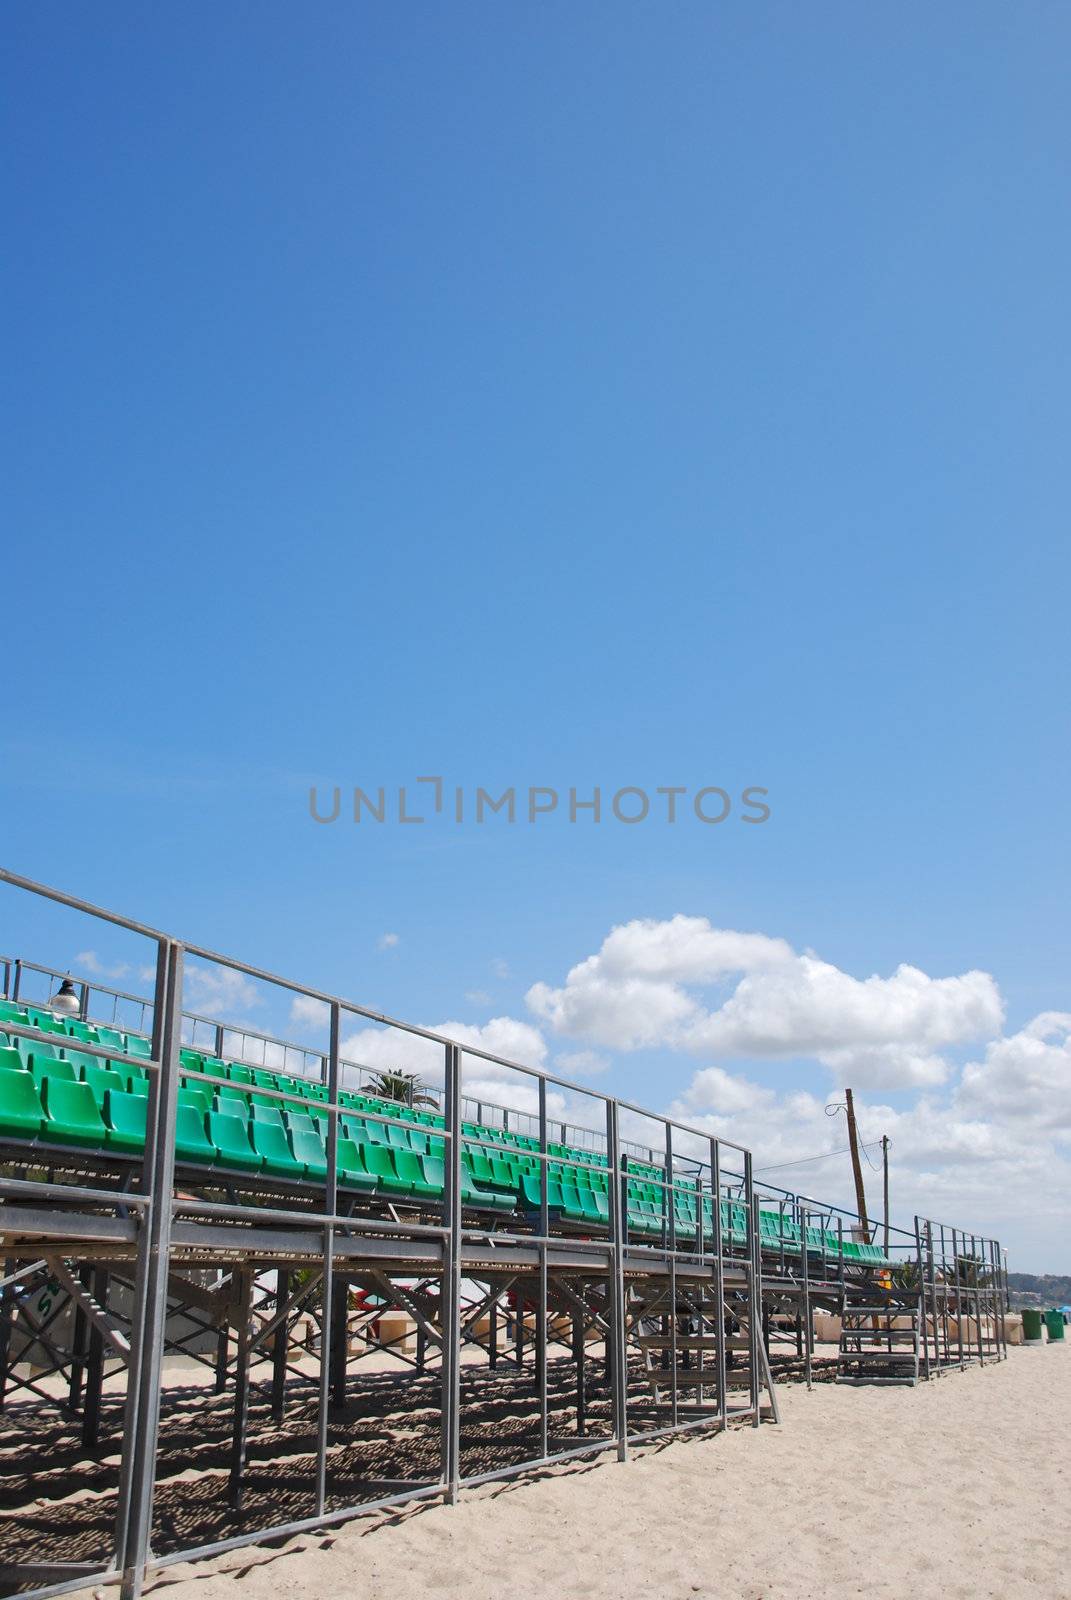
(991, 1153)
(383, 1049)
(653, 983)
(1025, 1080)
(218, 992)
(89, 961)
(305, 1011)
(388, 941)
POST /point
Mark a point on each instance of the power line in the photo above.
(825, 1156)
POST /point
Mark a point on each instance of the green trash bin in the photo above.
(1054, 1321)
(1031, 1326)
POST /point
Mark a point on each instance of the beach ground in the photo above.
(959, 1488)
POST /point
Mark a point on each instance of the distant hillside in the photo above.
(1048, 1289)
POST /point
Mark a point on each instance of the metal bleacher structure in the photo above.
(242, 1297)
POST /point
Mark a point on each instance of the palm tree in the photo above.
(404, 1087)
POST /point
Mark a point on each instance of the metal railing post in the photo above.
(149, 1311)
(327, 1285)
(450, 1297)
(754, 1258)
(541, 1305)
(719, 1281)
(921, 1287)
(616, 1296)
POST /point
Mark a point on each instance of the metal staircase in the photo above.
(879, 1344)
(679, 1335)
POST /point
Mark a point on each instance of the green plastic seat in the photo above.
(196, 1096)
(12, 1011)
(191, 1141)
(21, 1112)
(100, 1080)
(410, 1168)
(233, 1100)
(44, 1067)
(531, 1193)
(34, 1047)
(137, 1085)
(505, 1173)
(230, 1135)
(109, 1036)
(80, 1059)
(44, 1021)
(269, 1111)
(379, 1160)
(82, 1030)
(10, 1060)
(238, 1073)
(398, 1138)
(309, 1149)
(434, 1171)
(271, 1144)
(138, 1045)
(125, 1119)
(73, 1114)
(352, 1172)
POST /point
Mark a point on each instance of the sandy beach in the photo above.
(959, 1488)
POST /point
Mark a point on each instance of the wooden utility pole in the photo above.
(853, 1145)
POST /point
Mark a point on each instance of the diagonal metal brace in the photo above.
(96, 1313)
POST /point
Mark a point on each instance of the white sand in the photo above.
(961, 1487)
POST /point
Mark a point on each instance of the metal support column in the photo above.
(450, 1294)
(149, 1309)
(243, 1284)
(328, 1283)
(754, 1310)
(541, 1301)
(618, 1197)
(280, 1342)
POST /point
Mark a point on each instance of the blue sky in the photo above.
(591, 396)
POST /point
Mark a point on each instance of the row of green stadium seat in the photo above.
(235, 1121)
(45, 1021)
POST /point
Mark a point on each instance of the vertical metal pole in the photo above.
(956, 1253)
(149, 1308)
(280, 1341)
(451, 1284)
(218, 1041)
(618, 1199)
(223, 1341)
(327, 1287)
(719, 1280)
(578, 1358)
(340, 1297)
(999, 1324)
(492, 1334)
(7, 1316)
(79, 1343)
(922, 1312)
(95, 1368)
(755, 1287)
(541, 1304)
(808, 1326)
(242, 1306)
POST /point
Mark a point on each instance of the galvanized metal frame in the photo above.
(594, 1278)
